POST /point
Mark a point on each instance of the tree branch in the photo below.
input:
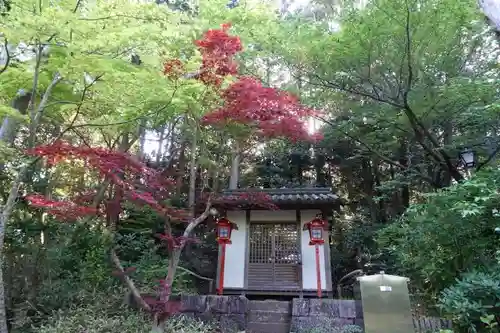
(131, 120)
(14, 191)
(409, 80)
(379, 155)
(31, 105)
(7, 61)
(78, 110)
(490, 158)
(128, 281)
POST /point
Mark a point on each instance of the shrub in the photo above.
(72, 270)
(328, 325)
(90, 320)
(474, 301)
(446, 233)
(351, 329)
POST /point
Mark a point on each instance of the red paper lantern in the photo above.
(224, 230)
(316, 228)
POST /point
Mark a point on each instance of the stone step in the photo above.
(276, 306)
(253, 327)
(268, 317)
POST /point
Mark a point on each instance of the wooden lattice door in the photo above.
(274, 257)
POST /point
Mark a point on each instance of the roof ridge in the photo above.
(282, 190)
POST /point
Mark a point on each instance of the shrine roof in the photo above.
(283, 196)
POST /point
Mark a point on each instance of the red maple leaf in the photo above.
(271, 112)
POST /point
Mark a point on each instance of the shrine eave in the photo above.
(298, 197)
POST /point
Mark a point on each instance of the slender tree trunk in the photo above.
(174, 262)
(491, 10)
(447, 140)
(180, 169)
(3, 312)
(8, 207)
(235, 167)
(10, 125)
(142, 139)
(192, 173)
(404, 201)
(114, 216)
(159, 151)
(380, 208)
(368, 183)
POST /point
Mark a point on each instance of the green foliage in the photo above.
(93, 320)
(71, 269)
(374, 157)
(351, 329)
(330, 326)
(448, 232)
(52, 266)
(473, 302)
(150, 266)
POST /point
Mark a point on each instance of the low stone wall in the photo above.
(228, 312)
(324, 313)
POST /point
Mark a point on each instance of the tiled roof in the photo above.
(310, 195)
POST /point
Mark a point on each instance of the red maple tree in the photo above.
(270, 112)
(129, 181)
(218, 49)
(267, 111)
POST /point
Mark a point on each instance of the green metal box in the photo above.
(386, 304)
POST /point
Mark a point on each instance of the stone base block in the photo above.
(319, 324)
(232, 323)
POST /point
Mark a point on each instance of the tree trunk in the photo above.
(404, 201)
(7, 209)
(10, 125)
(181, 167)
(491, 9)
(142, 139)
(447, 141)
(192, 173)
(159, 151)
(320, 174)
(235, 167)
(174, 262)
(3, 313)
(368, 183)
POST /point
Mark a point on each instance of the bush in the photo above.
(85, 320)
(71, 270)
(89, 320)
(448, 232)
(474, 302)
(351, 329)
(328, 325)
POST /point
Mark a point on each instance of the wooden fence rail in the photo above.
(424, 324)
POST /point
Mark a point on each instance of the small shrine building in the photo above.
(270, 252)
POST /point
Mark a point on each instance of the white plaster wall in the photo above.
(309, 279)
(273, 216)
(234, 267)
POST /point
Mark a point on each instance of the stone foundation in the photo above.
(228, 312)
(237, 313)
(327, 314)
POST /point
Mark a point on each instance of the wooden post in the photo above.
(221, 273)
(318, 272)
